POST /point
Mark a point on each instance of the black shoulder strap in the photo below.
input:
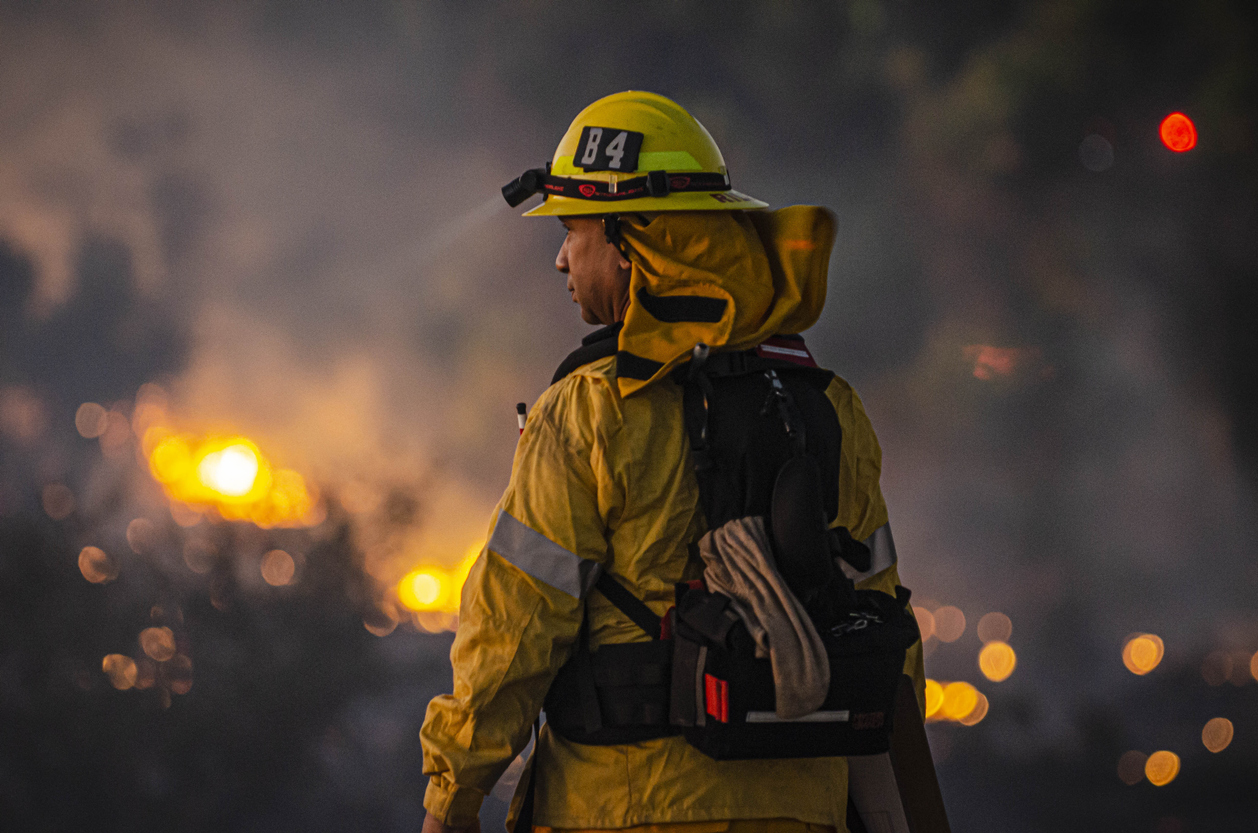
(597, 345)
(629, 604)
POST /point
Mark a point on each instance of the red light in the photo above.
(1178, 132)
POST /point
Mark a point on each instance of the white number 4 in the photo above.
(616, 149)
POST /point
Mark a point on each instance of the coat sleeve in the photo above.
(863, 511)
(521, 605)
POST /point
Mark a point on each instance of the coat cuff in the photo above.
(451, 804)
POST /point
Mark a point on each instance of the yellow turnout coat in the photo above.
(602, 480)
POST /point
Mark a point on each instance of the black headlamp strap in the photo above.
(653, 184)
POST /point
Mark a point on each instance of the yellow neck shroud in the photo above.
(727, 279)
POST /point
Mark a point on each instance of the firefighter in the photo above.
(664, 254)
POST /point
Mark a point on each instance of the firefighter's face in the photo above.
(598, 274)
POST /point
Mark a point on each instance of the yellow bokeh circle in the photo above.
(934, 699)
(959, 700)
(1142, 653)
(1161, 768)
(997, 660)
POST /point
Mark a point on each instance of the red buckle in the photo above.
(716, 693)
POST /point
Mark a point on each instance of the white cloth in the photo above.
(738, 563)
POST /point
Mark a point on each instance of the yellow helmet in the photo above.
(631, 152)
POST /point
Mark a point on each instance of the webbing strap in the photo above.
(629, 604)
(597, 345)
(591, 713)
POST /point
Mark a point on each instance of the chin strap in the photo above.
(611, 230)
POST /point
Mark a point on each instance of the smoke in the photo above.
(343, 279)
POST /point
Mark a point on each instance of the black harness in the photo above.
(764, 440)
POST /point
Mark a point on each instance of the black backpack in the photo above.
(765, 440)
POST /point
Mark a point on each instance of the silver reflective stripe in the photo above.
(815, 717)
(881, 554)
(786, 351)
(541, 557)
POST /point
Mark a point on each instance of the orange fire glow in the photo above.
(230, 475)
(999, 362)
(431, 592)
(218, 472)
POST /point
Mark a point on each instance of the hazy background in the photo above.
(287, 215)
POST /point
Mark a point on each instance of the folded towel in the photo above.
(738, 563)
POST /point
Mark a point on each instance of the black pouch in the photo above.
(724, 698)
(617, 693)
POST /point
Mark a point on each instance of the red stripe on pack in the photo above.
(716, 695)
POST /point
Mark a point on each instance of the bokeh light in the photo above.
(178, 674)
(1217, 734)
(141, 535)
(199, 556)
(121, 670)
(959, 700)
(1216, 668)
(949, 623)
(977, 713)
(231, 471)
(185, 515)
(58, 501)
(1161, 768)
(934, 699)
(117, 433)
(997, 661)
(995, 627)
(381, 621)
(431, 592)
(991, 362)
(1096, 153)
(278, 568)
(1178, 132)
(1253, 666)
(91, 420)
(158, 643)
(228, 474)
(1143, 652)
(1131, 767)
(96, 565)
(419, 590)
(925, 622)
(145, 673)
